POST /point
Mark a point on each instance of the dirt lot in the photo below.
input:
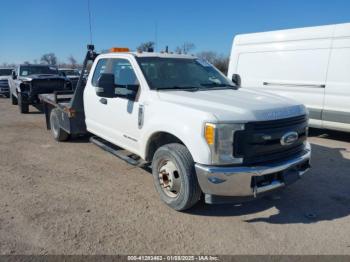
(73, 198)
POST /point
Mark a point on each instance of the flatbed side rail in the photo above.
(63, 96)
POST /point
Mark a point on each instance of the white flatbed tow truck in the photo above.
(201, 134)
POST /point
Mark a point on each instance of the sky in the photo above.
(30, 28)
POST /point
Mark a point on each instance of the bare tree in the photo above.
(185, 48)
(49, 59)
(218, 60)
(26, 62)
(4, 64)
(72, 61)
(222, 64)
(146, 46)
(209, 56)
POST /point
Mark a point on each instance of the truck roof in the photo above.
(38, 65)
(315, 32)
(151, 54)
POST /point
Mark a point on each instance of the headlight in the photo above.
(25, 85)
(220, 138)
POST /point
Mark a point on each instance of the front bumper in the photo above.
(245, 182)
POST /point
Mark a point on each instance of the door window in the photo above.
(124, 74)
(125, 79)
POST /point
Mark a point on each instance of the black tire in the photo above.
(58, 133)
(190, 192)
(14, 100)
(23, 107)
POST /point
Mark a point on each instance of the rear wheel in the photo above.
(174, 176)
(58, 133)
(14, 100)
(23, 107)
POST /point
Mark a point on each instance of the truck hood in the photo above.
(241, 105)
(32, 77)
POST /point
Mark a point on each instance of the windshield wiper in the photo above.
(214, 85)
(182, 88)
(205, 86)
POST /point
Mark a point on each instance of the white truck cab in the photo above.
(198, 130)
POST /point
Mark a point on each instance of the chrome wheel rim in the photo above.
(169, 178)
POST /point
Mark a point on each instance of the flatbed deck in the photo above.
(70, 120)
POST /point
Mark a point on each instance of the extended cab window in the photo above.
(99, 69)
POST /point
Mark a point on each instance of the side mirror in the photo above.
(236, 79)
(14, 76)
(128, 91)
(106, 86)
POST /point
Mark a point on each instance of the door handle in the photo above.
(293, 85)
(103, 101)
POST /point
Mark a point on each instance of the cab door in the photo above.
(336, 112)
(114, 119)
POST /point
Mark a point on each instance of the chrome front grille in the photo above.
(260, 142)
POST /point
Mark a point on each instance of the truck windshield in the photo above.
(5, 72)
(38, 70)
(181, 74)
(70, 72)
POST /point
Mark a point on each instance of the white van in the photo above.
(310, 64)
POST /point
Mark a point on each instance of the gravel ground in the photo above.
(74, 198)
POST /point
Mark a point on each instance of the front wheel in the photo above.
(58, 133)
(23, 107)
(174, 177)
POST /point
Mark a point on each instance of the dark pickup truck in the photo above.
(28, 81)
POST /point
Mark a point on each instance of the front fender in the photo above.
(190, 135)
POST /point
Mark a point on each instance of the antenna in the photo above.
(156, 35)
(89, 10)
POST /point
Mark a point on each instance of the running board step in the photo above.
(118, 152)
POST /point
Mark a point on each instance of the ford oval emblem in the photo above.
(289, 138)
